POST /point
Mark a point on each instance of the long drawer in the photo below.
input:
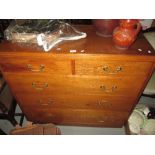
(76, 101)
(47, 84)
(64, 65)
(91, 67)
(74, 117)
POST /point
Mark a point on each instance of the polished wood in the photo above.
(70, 101)
(98, 85)
(104, 85)
(92, 44)
(112, 68)
(31, 65)
(77, 116)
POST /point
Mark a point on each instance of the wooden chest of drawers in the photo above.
(96, 86)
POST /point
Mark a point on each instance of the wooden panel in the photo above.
(73, 117)
(89, 67)
(36, 65)
(76, 101)
(47, 84)
(96, 86)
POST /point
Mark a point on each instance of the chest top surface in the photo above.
(92, 44)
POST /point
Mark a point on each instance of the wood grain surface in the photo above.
(98, 85)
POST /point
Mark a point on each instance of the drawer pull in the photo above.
(51, 115)
(107, 70)
(101, 121)
(39, 86)
(112, 89)
(49, 102)
(41, 68)
(104, 103)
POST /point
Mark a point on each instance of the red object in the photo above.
(125, 34)
(105, 27)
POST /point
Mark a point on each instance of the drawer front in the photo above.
(111, 68)
(76, 117)
(76, 101)
(47, 84)
(30, 65)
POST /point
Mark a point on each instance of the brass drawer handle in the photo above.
(38, 86)
(104, 103)
(101, 121)
(41, 68)
(112, 89)
(51, 115)
(49, 102)
(117, 70)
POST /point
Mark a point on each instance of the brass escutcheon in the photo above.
(107, 70)
(112, 89)
(38, 86)
(41, 68)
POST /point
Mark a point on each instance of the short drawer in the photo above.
(76, 101)
(76, 117)
(111, 68)
(47, 84)
(35, 65)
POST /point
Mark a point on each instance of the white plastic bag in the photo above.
(44, 33)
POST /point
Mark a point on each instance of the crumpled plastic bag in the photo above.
(44, 33)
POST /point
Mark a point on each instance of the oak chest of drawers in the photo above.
(98, 85)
